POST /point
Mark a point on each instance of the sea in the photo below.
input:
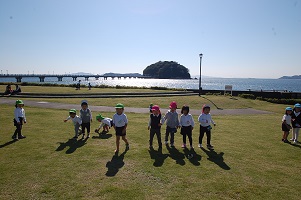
(208, 83)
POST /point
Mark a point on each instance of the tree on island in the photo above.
(167, 70)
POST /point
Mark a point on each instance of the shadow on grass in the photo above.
(7, 143)
(157, 156)
(176, 155)
(115, 164)
(212, 103)
(216, 158)
(102, 136)
(294, 145)
(193, 157)
(72, 144)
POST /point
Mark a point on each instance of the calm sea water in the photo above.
(243, 84)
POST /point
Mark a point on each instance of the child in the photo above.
(154, 126)
(205, 121)
(19, 118)
(286, 123)
(120, 122)
(86, 117)
(172, 123)
(106, 123)
(187, 124)
(77, 121)
(296, 122)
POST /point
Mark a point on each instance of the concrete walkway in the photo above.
(63, 106)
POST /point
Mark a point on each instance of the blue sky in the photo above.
(239, 38)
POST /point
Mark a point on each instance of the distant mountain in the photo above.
(128, 74)
(291, 77)
(81, 73)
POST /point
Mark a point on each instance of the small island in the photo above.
(167, 70)
(291, 77)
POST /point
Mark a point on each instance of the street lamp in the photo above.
(200, 79)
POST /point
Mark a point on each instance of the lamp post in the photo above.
(200, 79)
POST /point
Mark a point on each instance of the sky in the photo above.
(238, 38)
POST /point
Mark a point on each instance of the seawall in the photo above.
(264, 94)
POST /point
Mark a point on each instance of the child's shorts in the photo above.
(284, 128)
(119, 131)
(21, 121)
(186, 130)
(170, 130)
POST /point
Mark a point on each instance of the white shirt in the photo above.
(186, 120)
(287, 119)
(120, 120)
(205, 119)
(75, 120)
(19, 112)
(105, 121)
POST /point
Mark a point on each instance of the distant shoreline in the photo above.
(291, 77)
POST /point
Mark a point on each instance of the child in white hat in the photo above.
(19, 118)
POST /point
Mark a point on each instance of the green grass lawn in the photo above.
(249, 161)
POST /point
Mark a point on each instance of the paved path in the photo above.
(43, 104)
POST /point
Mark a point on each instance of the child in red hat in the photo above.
(154, 126)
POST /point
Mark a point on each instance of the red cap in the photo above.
(156, 107)
(173, 105)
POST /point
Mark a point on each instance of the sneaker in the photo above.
(295, 141)
(22, 137)
(166, 142)
(191, 147)
(282, 140)
(88, 136)
(209, 146)
(127, 146)
(292, 139)
(172, 145)
(74, 138)
(183, 145)
(200, 145)
(286, 141)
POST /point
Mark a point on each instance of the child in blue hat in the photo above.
(286, 124)
(296, 122)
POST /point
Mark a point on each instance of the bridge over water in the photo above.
(73, 76)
